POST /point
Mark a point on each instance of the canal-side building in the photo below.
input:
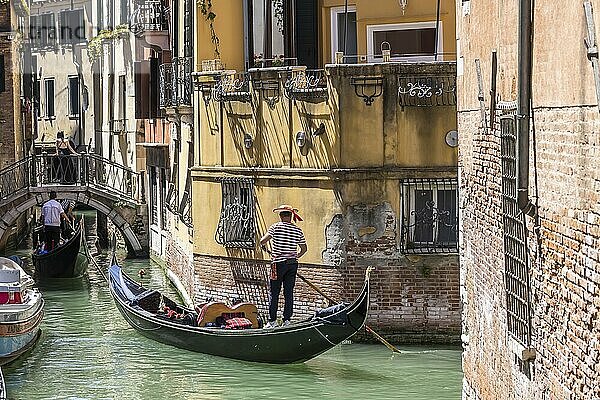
(61, 71)
(364, 147)
(15, 95)
(529, 201)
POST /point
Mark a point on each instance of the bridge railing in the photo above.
(113, 177)
(14, 178)
(59, 169)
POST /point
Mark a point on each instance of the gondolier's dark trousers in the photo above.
(52, 237)
(286, 275)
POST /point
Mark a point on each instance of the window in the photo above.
(516, 263)
(42, 30)
(429, 215)
(74, 104)
(236, 226)
(124, 8)
(338, 32)
(72, 27)
(163, 195)
(410, 42)
(49, 97)
(153, 196)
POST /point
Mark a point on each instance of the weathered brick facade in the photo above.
(563, 244)
(9, 98)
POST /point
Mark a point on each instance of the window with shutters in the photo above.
(236, 228)
(430, 215)
(49, 93)
(163, 195)
(124, 8)
(42, 30)
(408, 42)
(72, 27)
(74, 104)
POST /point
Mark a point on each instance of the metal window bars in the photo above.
(516, 263)
(182, 80)
(307, 85)
(429, 215)
(236, 228)
(427, 91)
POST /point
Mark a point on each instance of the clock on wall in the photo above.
(452, 138)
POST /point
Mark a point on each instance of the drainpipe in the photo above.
(524, 106)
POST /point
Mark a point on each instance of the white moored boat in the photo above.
(21, 311)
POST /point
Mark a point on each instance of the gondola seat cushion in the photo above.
(238, 323)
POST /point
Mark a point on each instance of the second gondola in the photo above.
(69, 260)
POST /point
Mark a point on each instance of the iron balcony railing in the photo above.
(149, 16)
(182, 83)
(175, 83)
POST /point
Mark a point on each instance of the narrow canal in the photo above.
(87, 351)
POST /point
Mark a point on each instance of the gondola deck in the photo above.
(297, 342)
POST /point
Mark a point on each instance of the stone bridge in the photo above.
(110, 188)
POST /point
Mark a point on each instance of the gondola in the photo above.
(69, 260)
(297, 342)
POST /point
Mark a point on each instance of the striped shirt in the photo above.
(286, 238)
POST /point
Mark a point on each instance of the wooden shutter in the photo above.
(154, 82)
(307, 29)
(141, 71)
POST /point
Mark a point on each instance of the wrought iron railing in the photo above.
(233, 87)
(149, 16)
(182, 80)
(77, 170)
(15, 178)
(427, 91)
(165, 85)
(309, 85)
(113, 177)
(185, 209)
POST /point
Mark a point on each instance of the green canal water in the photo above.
(88, 351)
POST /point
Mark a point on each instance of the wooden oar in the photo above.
(367, 327)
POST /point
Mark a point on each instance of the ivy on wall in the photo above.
(209, 16)
(96, 44)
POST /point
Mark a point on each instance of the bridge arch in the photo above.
(110, 188)
(118, 217)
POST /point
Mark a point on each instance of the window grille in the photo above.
(163, 195)
(237, 222)
(516, 265)
(153, 197)
(429, 215)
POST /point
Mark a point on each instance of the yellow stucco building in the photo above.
(364, 147)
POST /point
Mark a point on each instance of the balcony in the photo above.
(175, 83)
(149, 22)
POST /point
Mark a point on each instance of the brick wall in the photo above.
(565, 269)
(7, 98)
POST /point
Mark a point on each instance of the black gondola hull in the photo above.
(66, 261)
(295, 343)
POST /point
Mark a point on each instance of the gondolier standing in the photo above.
(286, 238)
(52, 212)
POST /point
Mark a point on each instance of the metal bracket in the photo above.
(592, 46)
(360, 83)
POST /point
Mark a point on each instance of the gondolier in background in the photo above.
(67, 224)
(52, 213)
(286, 238)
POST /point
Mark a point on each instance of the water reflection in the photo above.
(87, 351)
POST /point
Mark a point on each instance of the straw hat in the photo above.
(285, 207)
(288, 208)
